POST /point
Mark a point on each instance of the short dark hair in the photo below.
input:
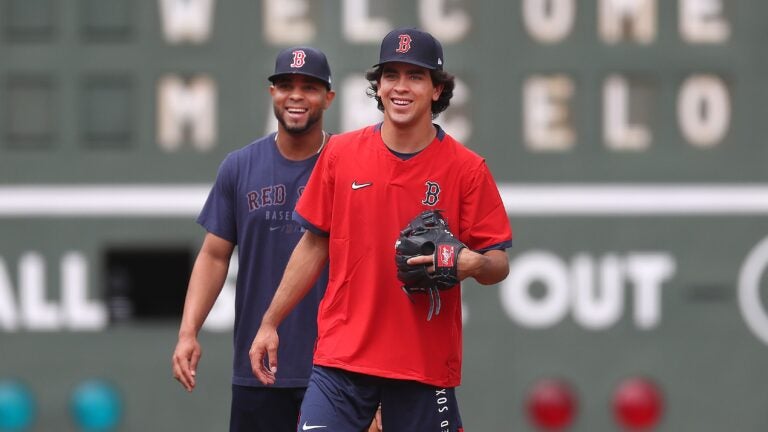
(438, 77)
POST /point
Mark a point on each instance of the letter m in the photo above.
(186, 109)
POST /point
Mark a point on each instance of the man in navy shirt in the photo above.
(250, 206)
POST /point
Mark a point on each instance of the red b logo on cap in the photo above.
(299, 57)
(405, 43)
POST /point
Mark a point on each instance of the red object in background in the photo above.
(551, 405)
(637, 404)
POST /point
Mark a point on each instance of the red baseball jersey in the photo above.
(361, 195)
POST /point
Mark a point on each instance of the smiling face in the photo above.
(299, 101)
(407, 93)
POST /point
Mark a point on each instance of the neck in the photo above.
(300, 146)
(409, 139)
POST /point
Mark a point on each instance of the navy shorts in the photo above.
(342, 401)
(265, 409)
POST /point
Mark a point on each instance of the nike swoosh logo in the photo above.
(308, 427)
(273, 228)
(356, 185)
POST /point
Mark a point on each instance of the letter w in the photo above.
(186, 20)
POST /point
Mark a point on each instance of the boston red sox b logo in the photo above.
(299, 58)
(405, 43)
(433, 193)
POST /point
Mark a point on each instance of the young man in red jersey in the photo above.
(374, 342)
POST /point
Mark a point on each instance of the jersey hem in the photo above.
(387, 374)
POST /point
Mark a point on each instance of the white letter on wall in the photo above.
(80, 313)
(358, 26)
(9, 318)
(37, 313)
(549, 21)
(447, 27)
(186, 20)
(546, 115)
(546, 270)
(701, 21)
(648, 272)
(285, 22)
(186, 106)
(614, 15)
(704, 110)
(597, 304)
(618, 133)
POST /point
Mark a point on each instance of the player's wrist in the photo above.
(187, 333)
(268, 322)
(471, 263)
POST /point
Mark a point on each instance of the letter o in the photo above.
(537, 266)
(704, 110)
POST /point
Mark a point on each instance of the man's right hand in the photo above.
(264, 344)
(184, 361)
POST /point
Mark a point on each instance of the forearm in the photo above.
(205, 283)
(487, 269)
(306, 262)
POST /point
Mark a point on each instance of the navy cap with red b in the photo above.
(302, 60)
(410, 45)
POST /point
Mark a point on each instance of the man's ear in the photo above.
(329, 97)
(437, 92)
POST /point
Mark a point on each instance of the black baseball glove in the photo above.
(428, 234)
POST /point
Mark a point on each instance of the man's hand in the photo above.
(376, 425)
(488, 268)
(184, 361)
(264, 344)
(467, 262)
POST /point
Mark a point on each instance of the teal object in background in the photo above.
(17, 406)
(96, 406)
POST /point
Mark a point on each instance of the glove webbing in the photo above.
(434, 301)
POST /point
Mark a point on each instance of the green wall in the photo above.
(80, 86)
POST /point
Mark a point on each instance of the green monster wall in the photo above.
(628, 139)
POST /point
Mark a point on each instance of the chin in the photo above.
(296, 128)
(401, 120)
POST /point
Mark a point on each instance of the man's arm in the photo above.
(488, 268)
(306, 263)
(205, 284)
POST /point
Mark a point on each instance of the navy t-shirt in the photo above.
(251, 205)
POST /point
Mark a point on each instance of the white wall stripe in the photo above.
(164, 200)
(635, 200)
(102, 200)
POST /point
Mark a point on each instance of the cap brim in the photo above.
(325, 81)
(413, 62)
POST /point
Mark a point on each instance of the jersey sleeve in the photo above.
(218, 213)
(313, 210)
(484, 221)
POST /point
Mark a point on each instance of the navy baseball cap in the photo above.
(409, 45)
(302, 60)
